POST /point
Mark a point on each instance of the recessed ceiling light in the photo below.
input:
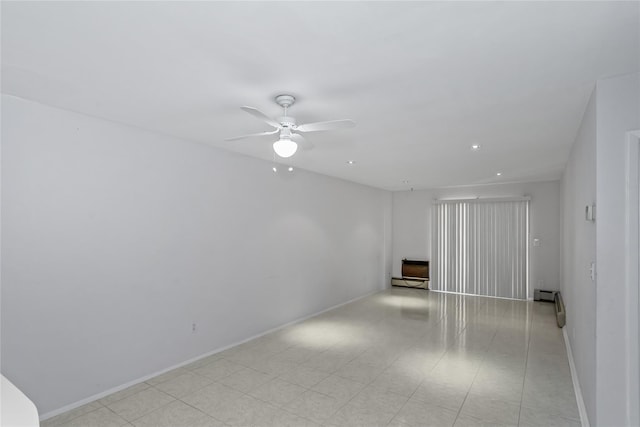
(351, 162)
(290, 169)
(499, 173)
(475, 147)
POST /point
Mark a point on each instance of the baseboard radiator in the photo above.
(561, 314)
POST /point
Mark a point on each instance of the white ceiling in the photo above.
(423, 80)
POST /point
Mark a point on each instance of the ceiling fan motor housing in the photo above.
(287, 122)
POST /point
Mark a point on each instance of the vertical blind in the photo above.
(481, 247)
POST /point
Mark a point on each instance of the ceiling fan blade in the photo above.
(330, 125)
(302, 141)
(262, 116)
(235, 138)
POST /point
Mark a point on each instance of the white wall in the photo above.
(579, 251)
(597, 311)
(618, 112)
(114, 240)
(412, 223)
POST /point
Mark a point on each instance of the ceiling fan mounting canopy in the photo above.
(285, 101)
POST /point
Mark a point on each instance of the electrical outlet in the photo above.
(194, 327)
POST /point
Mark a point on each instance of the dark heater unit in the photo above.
(415, 274)
(542, 295)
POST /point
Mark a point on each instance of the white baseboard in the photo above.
(105, 393)
(582, 410)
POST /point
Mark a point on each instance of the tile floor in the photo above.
(402, 357)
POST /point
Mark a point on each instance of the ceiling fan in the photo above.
(289, 138)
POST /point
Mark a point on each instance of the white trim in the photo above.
(582, 410)
(632, 273)
(478, 295)
(194, 359)
(483, 200)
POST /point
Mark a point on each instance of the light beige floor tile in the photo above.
(355, 415)
(247, 357)
(204, 361)
(509, 347)
(440, 394)
(286, 419)
(232, 351)
(545, 383)
(166, 376)
(379, 399)
(328, 363)
(419, 414)
(491, 410)
(393, 382)
(271, 343)
(277, 392)
(303, 377)
(536, 418)
(315, 406)
(417, 362)
(559, 400)
(360, 372)
(540, 360)
(141, 403)
(177, 414)
(184, 384)
(246, 380)
(119, 395)
(273, 366)
(456, 377)
(102, 417)
(515, 363)
(212, 399)
(339, 388)
(295, 355)
(464, 360)
(249, 411)
(368, 358)
(498, 388)
(381, 357)
(65, 417)
(468, 421)
(218, 369)
(511, 372)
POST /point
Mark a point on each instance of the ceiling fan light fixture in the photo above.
(285, 147)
